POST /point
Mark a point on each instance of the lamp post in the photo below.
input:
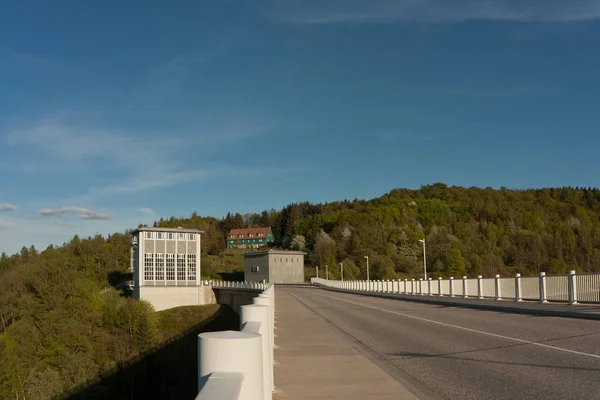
(326, 272)
(342, 271)
(424, 258)
(367, 257)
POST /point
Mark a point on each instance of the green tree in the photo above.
(455, 265)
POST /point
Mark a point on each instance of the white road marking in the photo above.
(465, 329)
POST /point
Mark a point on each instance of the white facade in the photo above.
(169, 259)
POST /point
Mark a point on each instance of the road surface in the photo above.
(464, 353)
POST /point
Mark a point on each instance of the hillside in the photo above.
(468, 231)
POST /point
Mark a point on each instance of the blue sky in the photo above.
(117, 113)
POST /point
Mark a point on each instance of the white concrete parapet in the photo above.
(571, 288)
(220, 352)
(236, 365)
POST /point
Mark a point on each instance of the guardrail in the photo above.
(238, 285)
(238, 365)
(571, 288)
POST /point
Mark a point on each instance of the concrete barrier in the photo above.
(239, 365)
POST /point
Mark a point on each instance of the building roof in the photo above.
(246, 231)
(282, 252)
(159, 229)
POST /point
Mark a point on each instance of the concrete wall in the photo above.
(260, 260)
(163, 298)
(286, 268)
(234, 298)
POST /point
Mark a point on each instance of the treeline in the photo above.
(468, 231)
(63, 326)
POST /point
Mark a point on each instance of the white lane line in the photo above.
(465, 329)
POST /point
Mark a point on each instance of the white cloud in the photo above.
(143, 160)
(7, 207)
(147, 211)
(83, 213)
(435, 11)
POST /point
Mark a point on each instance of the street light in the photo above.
(424, 258)
(326, 273)
(367, 257)
(342, 269)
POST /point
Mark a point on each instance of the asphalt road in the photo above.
(465, 353)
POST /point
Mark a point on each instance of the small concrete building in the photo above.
(274, 266)
(166, 267)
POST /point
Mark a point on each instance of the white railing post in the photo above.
(256, 313)
(412, 287)
(497, 282)
(393, 284)
(451, 286)
(428, 286)
(421, 286)
(543, 294)
(518, 288)
(464, 283)
(572, 287)
(479, 287)
(387, 286)
(405, 286)
(232, 352)
(440, 286)
(266, 301)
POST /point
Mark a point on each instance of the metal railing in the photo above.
(570, 288)
(238, 365)
(238, 285)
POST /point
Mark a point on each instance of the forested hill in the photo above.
(469, 231)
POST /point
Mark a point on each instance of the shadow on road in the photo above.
(397, 356)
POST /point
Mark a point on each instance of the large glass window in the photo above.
(181, 267)
(160, 266)
(191, 265)
(170, 267)
(149, 267)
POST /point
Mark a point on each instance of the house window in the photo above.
(181, 267)
(181, 236)
(159, 235)
(170, 267)
(170, 236)
(148, 235)
(192, 236)
(149, 267)
(160, 267)
(191, 267)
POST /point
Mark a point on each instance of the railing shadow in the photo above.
(169, 371)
